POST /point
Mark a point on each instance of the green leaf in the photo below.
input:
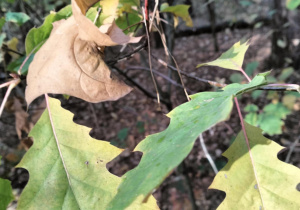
(15, 65)
(251, 118)
(270, 124)
(292, 4)
(6, 195)
(82, 181)
(163, 151)
(250, 67)
(179, 10)
(278, 110)
(17, 17)
(131, 2)
(251, 108)
(2, 22)
(123, 133)
(124, 21)
(231, 59)
(277, 180)
(236, 78)
(36, 36)
(286, 73)
(256, 94)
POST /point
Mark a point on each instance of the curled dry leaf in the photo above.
(70, 62)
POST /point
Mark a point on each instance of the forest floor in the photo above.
(127, 121)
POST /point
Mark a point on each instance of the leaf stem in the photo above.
(249, 149)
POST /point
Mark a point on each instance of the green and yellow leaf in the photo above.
(274, 187)
(231, 59)
(67, 167)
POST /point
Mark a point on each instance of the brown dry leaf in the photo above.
(84, 5)
(89, 32)
(22, 122)
(71, 63)
(26, 143)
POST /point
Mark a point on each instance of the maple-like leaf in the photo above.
(163, 151)
(71, 63)
(273, 187)
(231, 59)
(67, 168)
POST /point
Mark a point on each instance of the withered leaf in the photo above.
(84, 5)
(22, 121)
(107, 35)
(71, 63)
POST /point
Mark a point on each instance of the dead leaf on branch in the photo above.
(71, 61)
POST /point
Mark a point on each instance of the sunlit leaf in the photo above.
(231, 59)
(179, 10)
(16, 17)
(75, 177)
(292, 4)
(163, 151)
(277, 181)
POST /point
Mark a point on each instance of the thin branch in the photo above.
(213, 83)
(154, 12)
(127, 56)
(156, 72)
(11, 86)
(97, 15)
(138, 23)
(177, 68)
(292, 148)
(207, 155)
(146, 92)
(269, 87)
(5, 48)
(149, 49)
